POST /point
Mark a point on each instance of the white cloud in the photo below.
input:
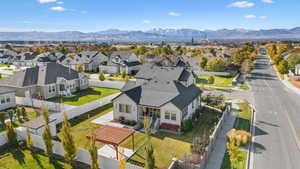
(174, 14)
(60, 2)
(58, 8)
(46, 1)
(242, 4)
(268, 1)
(146, 22)
(263, 17)
(250, 16)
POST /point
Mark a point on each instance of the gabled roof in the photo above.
(157, 93)
(149, 71)
(125, 55)
(40, 76)
(26, 56)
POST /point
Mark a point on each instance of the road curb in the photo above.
(249, 161)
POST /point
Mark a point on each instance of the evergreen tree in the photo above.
(24, 113)
(18, 111)
(68, 141)
(47, 134)
(93, 152)
(11, 115)
(79, 68)
(11, 135)
(203, 62)
(101, 76)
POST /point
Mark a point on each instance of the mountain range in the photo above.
(155, 35)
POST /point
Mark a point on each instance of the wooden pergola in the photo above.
(113, 136)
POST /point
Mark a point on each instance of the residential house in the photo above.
(167, 94)
(25, 59)
(45, 82)
(7, 56)
(7, 98)
(90, 60)
(120, 61)
(48, 57)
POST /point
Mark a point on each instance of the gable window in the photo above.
(7, 99)
(2, 99)
(167, 115)
(125, 108)
(128, 108)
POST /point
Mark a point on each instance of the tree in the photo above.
(18, 111)
(93, 152)
(123, 73)
(101, 76)
(11, 135)
(68, 141)
(2, 119)
(216, 65)
(28, 139)
(24, 113)
(283, 67)
(47, 137)
(199, 143)
(79, 68)
(203, 62)
(126, 79)
(150, 160)
(11, 115)
(211, 80)
(293, 60)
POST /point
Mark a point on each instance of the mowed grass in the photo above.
(82, 126)
(219, 81)
(243, 122)
(3, 65)
(167, 145)
(25, 159)
(85, 96)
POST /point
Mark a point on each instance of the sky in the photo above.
(97, 15)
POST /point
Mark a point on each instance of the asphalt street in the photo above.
(277, 126)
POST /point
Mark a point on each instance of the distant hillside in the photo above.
(155, 35)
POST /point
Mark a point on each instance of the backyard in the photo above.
(32, 113)
(85, 96)
(219, 81)
(25, 159)
(243, 122)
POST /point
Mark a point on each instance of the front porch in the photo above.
(154, 115)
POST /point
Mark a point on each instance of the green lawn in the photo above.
(219, 81)
(25, 159)
(82, 125)
(3, 76)
(244, 86)
(117, 77)
(85, 96)
(167, 145)
(243, 122)
(3, 65)
(31, 115)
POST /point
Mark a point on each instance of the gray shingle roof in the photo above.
(125, 55)
(149, 71)
(40, 76)
(157, 93)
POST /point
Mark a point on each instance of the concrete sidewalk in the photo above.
(216, 157)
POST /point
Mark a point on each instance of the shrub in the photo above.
(186, 125)
(211, 80)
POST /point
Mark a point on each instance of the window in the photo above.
(7, 99)
(167, 115)
(173, 116)
(2, 99)
(128, 108)
(49, 89)
(122, 108)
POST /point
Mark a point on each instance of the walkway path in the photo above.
(217, 155)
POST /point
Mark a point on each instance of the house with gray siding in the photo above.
(90, 60)
(7, 98)
(120, 61)
(166, 94)
(45, 82)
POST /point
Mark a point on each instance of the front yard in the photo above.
(25, 159)
(85, 96)
(223, 82)
(243, 122)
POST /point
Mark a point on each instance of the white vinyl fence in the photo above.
(106, 84)
(82, 155)
(57, 107)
